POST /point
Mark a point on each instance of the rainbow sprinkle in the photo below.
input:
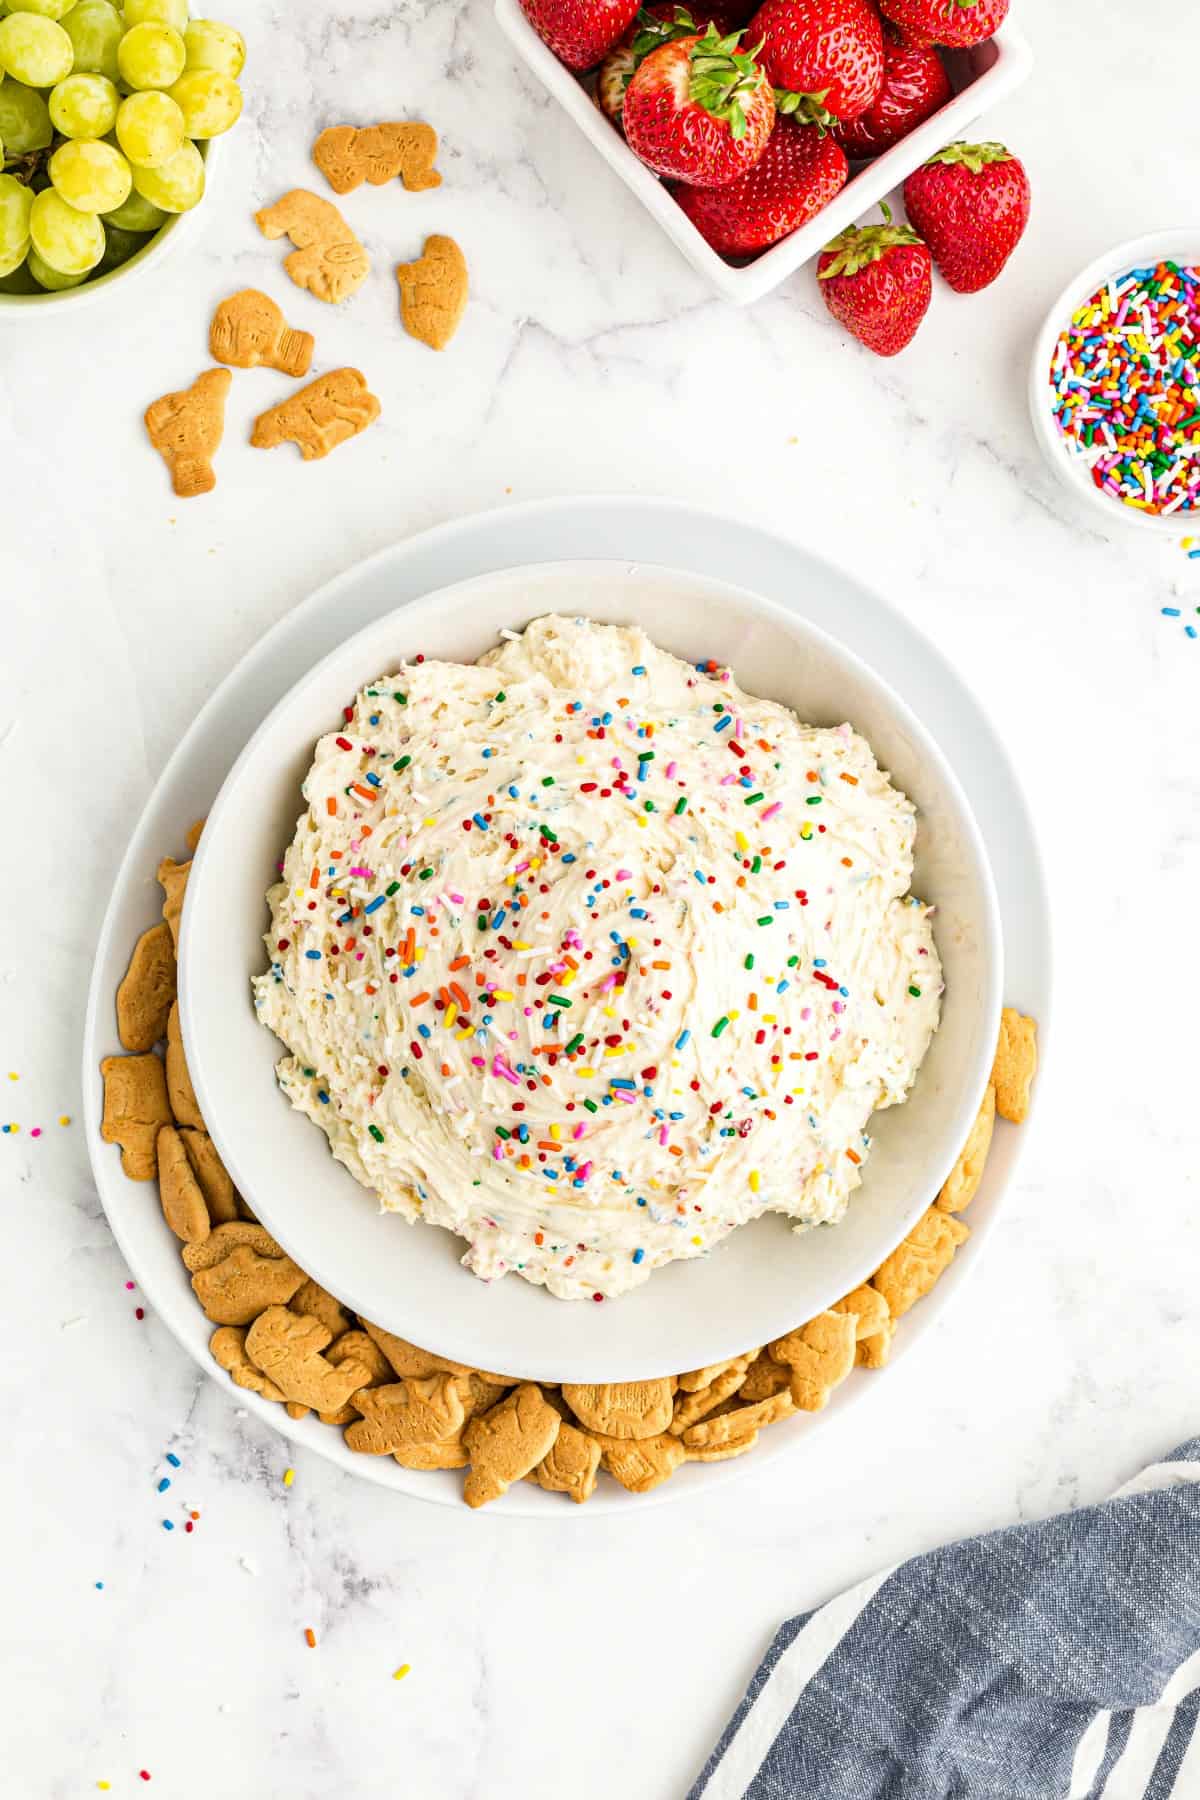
(1125, 377)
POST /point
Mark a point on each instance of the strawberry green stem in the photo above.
(722, 81)
(810, 108)
(975, 157)
(860, 245)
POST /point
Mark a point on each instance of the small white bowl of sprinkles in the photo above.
(1115, 384)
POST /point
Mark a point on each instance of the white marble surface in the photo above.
(591, 1657)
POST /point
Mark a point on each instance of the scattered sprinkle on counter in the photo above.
(289, 1475)
(310, 1638)
(1125, 378)
(401, 1672)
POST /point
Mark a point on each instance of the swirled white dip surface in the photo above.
(589, 957)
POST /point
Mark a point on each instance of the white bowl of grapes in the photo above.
(108, 120)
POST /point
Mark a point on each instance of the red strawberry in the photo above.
(797, 174)
(823, 57)
(956, 23)
(699, 110)
(579, 31)
(970, 203)
(915, 85)
(654, 25)
(878, 280)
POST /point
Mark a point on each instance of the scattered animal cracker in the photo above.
(481, 1395)
(873, 1326)
(723, 1452)
(764, 1377)
(186, 428)
(224, 1239)
(407, 1360)
(695, 1379)
(147, 991)
(731, 1427)
(1015, 1065)
(237, 1289)
(433, 292)
(870, 1311)
(691, 1407)
(317, 1303)
(447, 1453)
(820, 1355)
(570, 1465)
(873, 1352)
(228, 1347)
(173, 879)
(220, 1195)
(326, 413)
(622, 1409)
(249, 331)
(135, 1110)
(179, 1082)
(179, 1191)
(507, 1443)
(364, 1350)
(962, 1183)
(287, 1347)
(405, 1413)
(193, 835)
(640, 1464)
(347, 156)
(328, 259)
(919, 1261)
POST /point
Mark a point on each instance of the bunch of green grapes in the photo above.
(100, 113)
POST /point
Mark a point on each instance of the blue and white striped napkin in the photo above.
(1055, 1661)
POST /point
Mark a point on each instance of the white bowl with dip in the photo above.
(763, 1279)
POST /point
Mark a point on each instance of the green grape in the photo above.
(20, 281)
(210, 102)
(34, 50)
(92, 177)
(16, 204)
(84, 106)
(211, 45)
(175, 185)
(94, 28)
(49, 9)
(71, 242)
(136, 214)
(156, 12)
(150, 128)
(150, 56)
(52, 279)
(24, 118)
(119, 246)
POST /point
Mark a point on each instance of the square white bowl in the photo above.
(981, 77)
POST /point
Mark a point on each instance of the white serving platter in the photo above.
(649, 532)
(980, 77)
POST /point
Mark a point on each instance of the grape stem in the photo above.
(28, 165)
